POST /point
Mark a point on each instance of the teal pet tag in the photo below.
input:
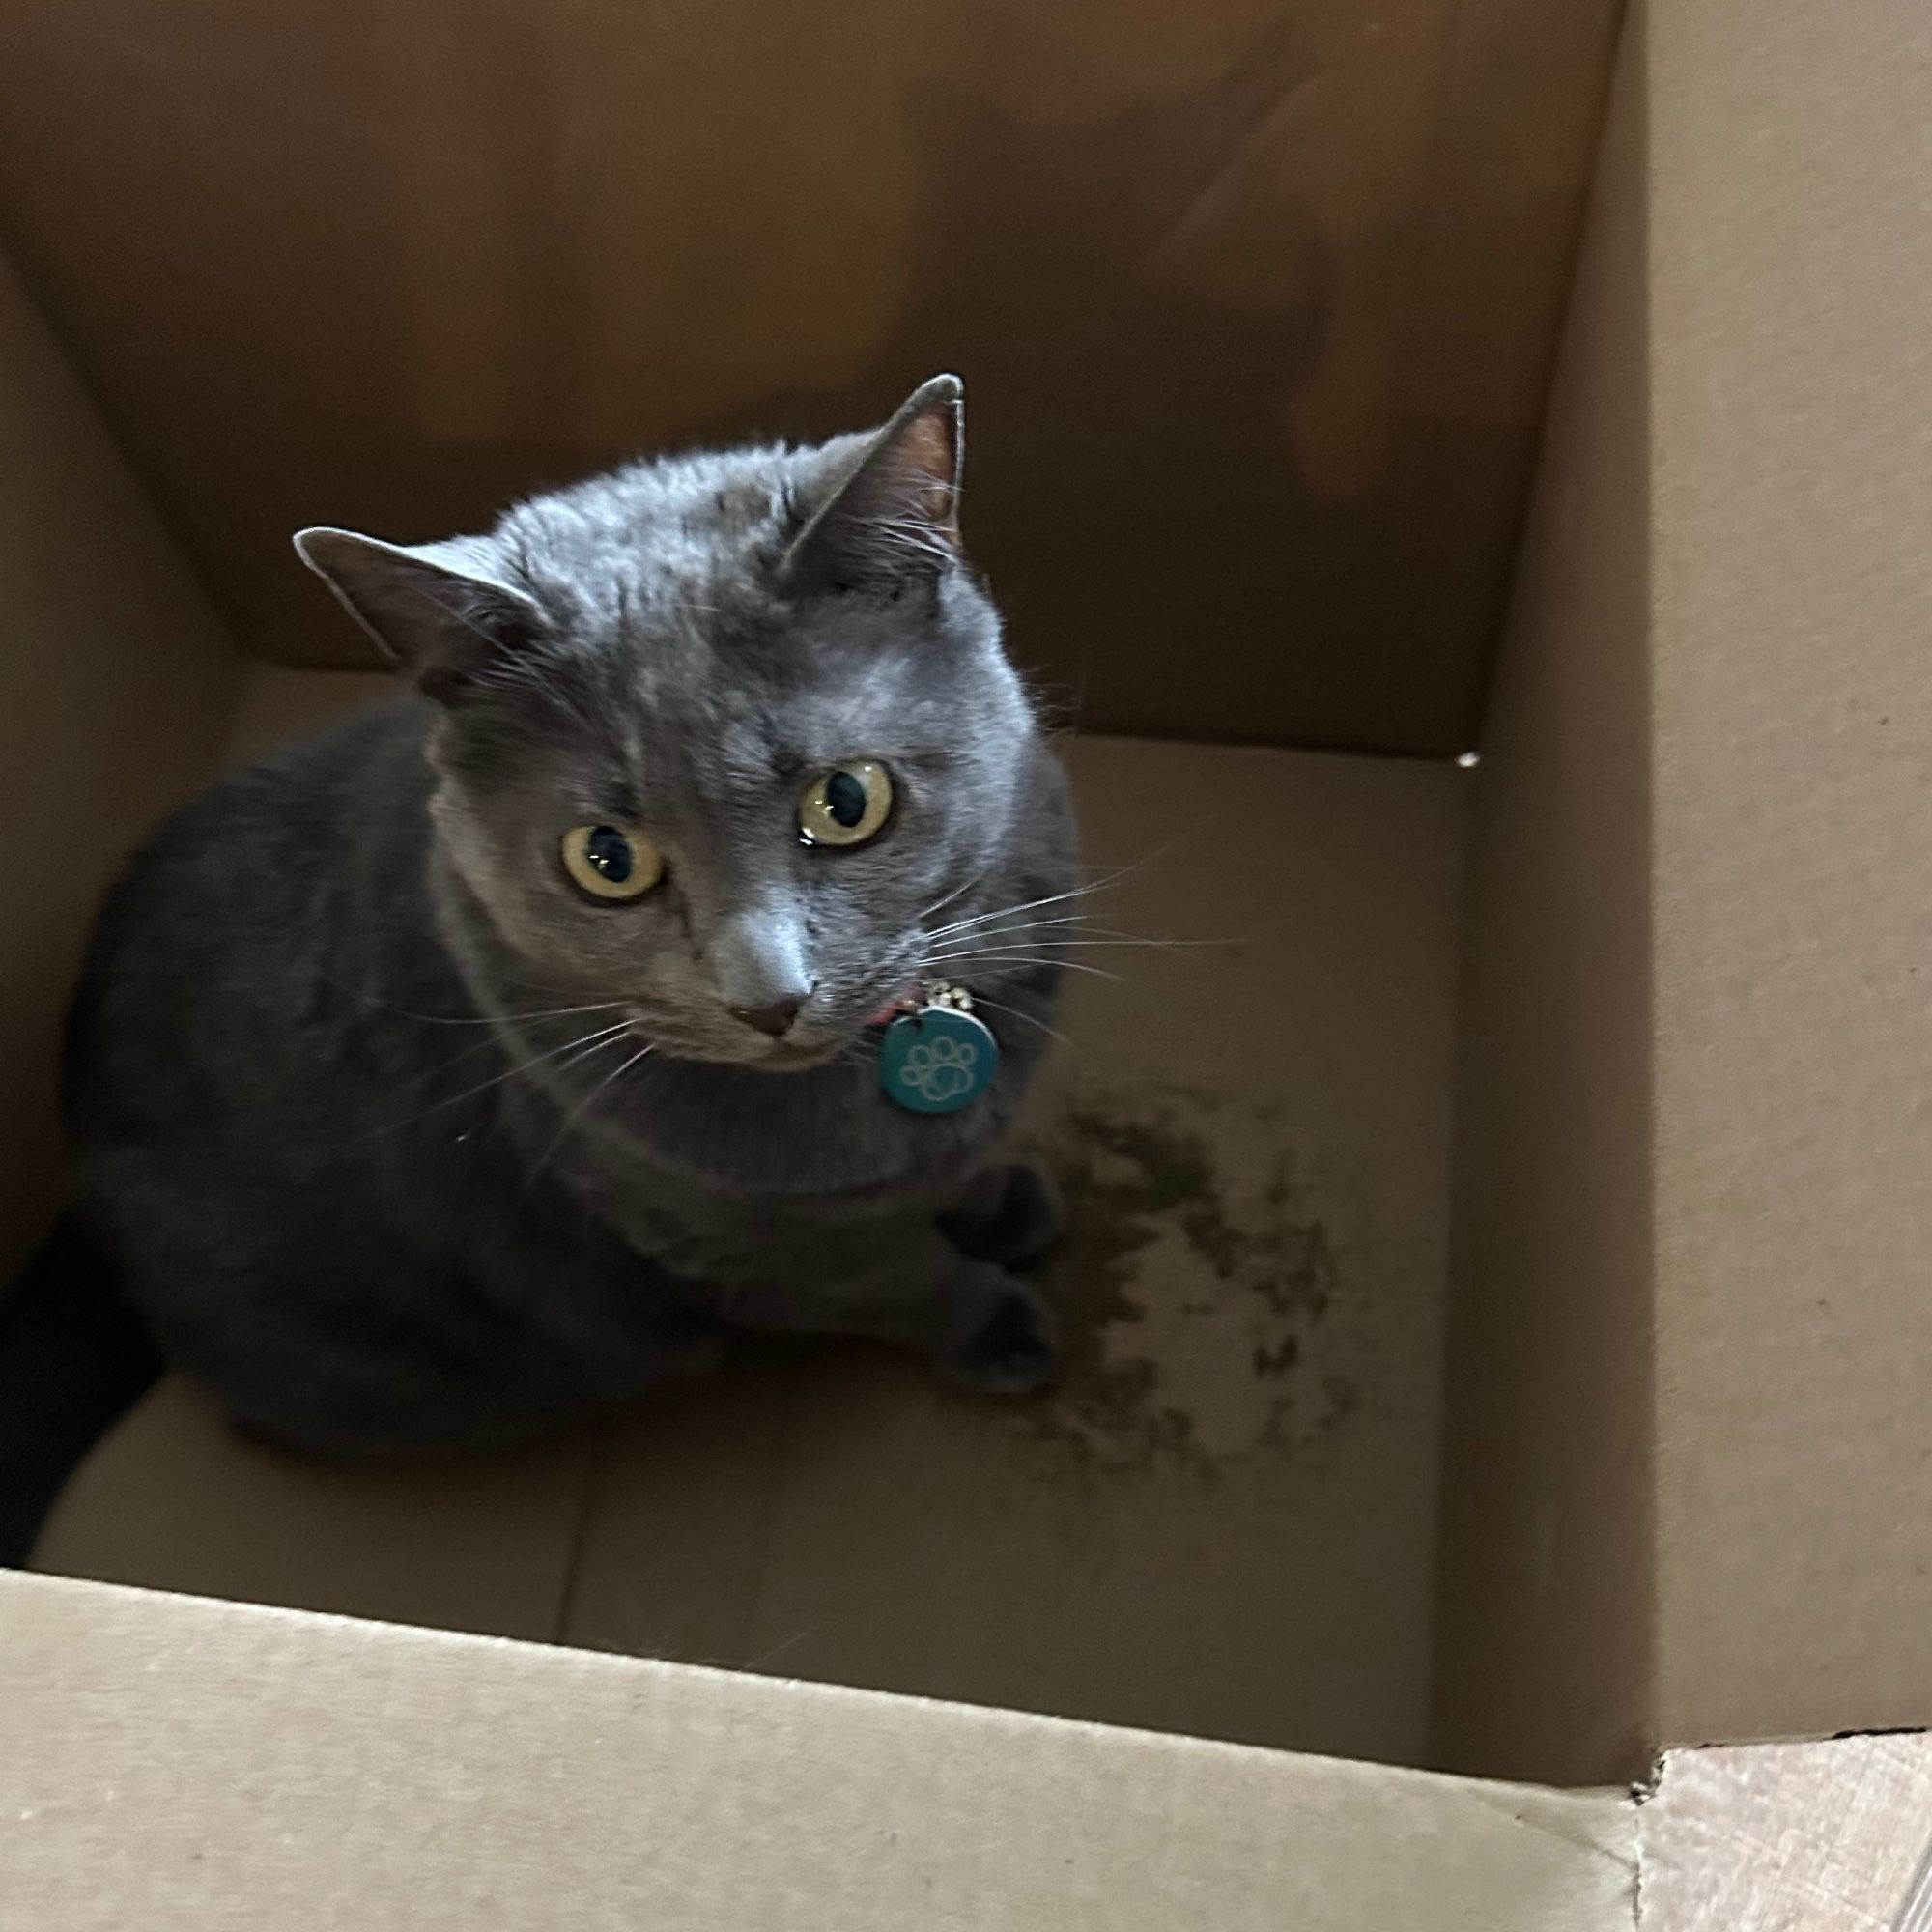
(938, 1058)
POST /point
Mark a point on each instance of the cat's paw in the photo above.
(1016, 1350)
(1020, 1225)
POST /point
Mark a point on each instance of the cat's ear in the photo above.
(892, 508)
(443, 611)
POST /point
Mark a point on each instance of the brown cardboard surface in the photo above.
(1256, 298)
(278, 704)
(115, 686)
(1190, 1537)
(175, 1500)
(1545, 1628)
(178, 1764)
(1789, 224)
(1793, 1837)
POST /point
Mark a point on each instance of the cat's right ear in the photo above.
(443, 611)
(892, 512)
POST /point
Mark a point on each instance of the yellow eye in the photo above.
(847, 806)
(610, 862)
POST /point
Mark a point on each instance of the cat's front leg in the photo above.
(1011, 1213)
(1015, 1350)
(978, 1326)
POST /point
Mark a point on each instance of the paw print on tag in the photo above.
(937, 1061)
(942, 1069)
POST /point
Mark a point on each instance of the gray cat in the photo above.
(504, 1049)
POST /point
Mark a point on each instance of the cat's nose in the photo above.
(774, 1020)
(760, 967)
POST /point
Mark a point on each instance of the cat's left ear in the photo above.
(892, 510)
(443, 611)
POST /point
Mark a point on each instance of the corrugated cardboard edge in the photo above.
(1916, 1914)
(175, 1762)
(1822, 1836)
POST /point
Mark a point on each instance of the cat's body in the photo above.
(370, 1219)
(399, 1139)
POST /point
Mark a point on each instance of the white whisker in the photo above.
(1089, 935)
(1127, 939)
(510, 1016)
(1003, 958)
(1102, 883)
(958, 891)
(571, 1119)
(1015, 1012)
(1008, 912)
(497, 1079)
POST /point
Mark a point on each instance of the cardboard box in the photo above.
(1499, 1336)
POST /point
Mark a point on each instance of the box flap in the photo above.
(173, 1763)
(1790, 225)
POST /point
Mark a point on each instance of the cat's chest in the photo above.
(710, 1175)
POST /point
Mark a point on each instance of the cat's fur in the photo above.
(327, 1119)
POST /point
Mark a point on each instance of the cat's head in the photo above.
(718, 735)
